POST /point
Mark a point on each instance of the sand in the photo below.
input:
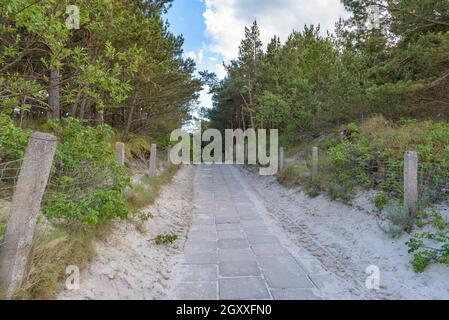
(346, 240)
(129, 265)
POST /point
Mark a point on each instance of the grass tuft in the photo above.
(52, 252)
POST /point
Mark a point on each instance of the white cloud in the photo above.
(200, 56)
(205, 98)
(190, 55)
(220, 71)
(225, 19)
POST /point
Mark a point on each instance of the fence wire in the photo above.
(9, 174)
(433, 183)
(387, 174)
(75, 181)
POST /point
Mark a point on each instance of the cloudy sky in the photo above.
(212, 29)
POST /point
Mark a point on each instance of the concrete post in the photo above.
(100, 118)
(168, 155)
(152, 167)
(120, 153)
(411, 182)
(25, 207)
(281, 159)
(314, 162)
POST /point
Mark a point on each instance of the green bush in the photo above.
(397, 219)
(289, 176)
(429, 247)
(13, 140)
(380, 200)
(87, 185)
(165, 239)
(371, 156)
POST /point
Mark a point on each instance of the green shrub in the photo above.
(397, 219)
(289, 176)
(429, 247)
(380, 200)
(371, 155)
(13, 140)
(340, 191)
(164, 239)
(87, 184)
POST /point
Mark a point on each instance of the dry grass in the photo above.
(145, 192)
(53, 251)
(289, 176)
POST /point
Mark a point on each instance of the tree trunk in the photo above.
(243, 119)
(130, 120)
(53, 111)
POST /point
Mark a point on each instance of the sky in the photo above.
(213, 29)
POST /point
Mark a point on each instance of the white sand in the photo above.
(346, 240)
(129, 265)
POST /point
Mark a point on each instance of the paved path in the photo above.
(231, 253)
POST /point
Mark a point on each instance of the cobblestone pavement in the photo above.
(232, 252)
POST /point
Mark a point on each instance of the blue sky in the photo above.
(186, 18)
(212, 29)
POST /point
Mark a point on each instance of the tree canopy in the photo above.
(312, 82)
(121, 66)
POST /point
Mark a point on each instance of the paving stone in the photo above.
(269, 250)
(243, 288)
(199, 272)
(235, 255)
(226, 219)
(257, 231)
(203, 228)
(233, 244)
(246, 208)
(294, 294)
(231, 254)
(283, 272)
(220, 204)
(225, 210)
(200, 258)
(251, 218)
(200, 246)
(239, 269)
(203, 219)
(253, 224)
(196, 291)
(262, 239)
(202, 236)
(228, 226)
(197, 211)
(231, 234)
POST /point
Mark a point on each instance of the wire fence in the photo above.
(384, 173)
(433, 183)
(76, 179)
(9, 174)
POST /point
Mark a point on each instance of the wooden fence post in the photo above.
(25, 207)
(411, 182)
(120, 153)
(281, 159)
(314, 162)
(152, 167)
